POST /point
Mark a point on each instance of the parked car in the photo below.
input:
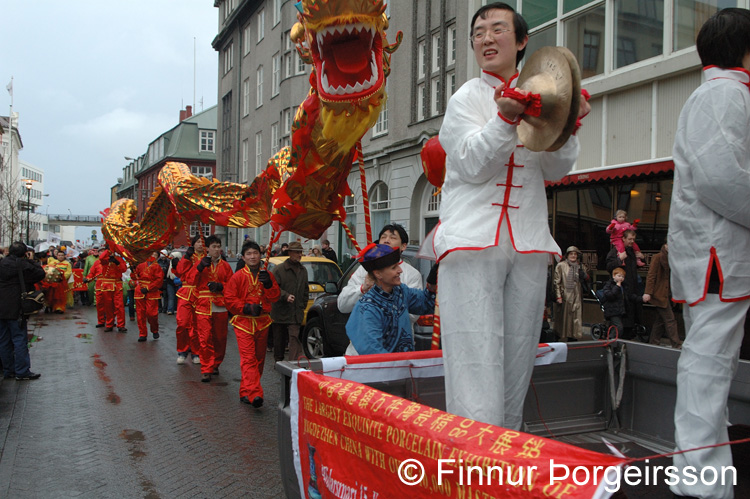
(319, 272)
(324, 334)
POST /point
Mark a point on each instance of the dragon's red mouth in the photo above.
(348, 61)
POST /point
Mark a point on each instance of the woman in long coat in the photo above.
(567, 282)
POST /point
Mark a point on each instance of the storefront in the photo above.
(583, 204)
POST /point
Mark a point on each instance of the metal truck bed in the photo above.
(573, 402)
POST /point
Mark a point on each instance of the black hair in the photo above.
(213, 238)
(724, 39)
(519, 24)
(195, 239)
(17, 249)
(249, 244)
(397, 229)
(284, 244)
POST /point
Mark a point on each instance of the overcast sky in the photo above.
(95, 81)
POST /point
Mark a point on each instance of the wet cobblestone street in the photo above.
(111, 417)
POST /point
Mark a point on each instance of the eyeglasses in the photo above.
(478, 36)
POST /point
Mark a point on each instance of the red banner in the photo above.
(78, 284)
(353, 441)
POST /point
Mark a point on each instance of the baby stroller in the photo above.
(607, 331)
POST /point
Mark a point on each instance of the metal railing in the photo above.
(74, 218)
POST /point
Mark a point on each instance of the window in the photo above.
(207, 140)
(689, 16)
(435, 53)
(451, 46)
(228, 57)
(421, 102)
(246, 97)
(432, 210)
(276, 77)
(274, 138)
(287, 117)
(202, 171)
(200, 228)
(261, 25)
(380, 204)
(276, 12)
(421, 60)
(435, 96)
(544, 38)
(583, 36)
(228, 8)
(246, 160)
(350, 207)
(300, 63)
(227, 137)
(288, 65)
(450, 85)
(259, 87)
(381, 126)
(246, 40)
(537, 13)
(641, 20)
(258, 153)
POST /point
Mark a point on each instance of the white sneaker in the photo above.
(181, 358)
(196, 360)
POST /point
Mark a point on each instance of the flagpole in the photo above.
(9, 87)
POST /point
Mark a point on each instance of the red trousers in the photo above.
(109, 304)
(147, 310)
(187, 334)
(252, 349)
(212, 331)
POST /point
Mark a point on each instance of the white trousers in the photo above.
(491, 306)
(705, 370)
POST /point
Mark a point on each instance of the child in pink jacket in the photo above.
(615, 229)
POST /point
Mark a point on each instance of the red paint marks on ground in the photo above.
(81, 322)
(101, 366)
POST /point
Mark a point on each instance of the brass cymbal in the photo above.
(551, 72)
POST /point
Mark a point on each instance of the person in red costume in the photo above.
(185, 270)
(210, 313)
(107, 271)
(147, 280)
(248, 296)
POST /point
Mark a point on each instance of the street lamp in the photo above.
(28, 208)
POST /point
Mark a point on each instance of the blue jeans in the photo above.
(170, 297)
(14, 348)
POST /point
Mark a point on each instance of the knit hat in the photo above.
(378, 256)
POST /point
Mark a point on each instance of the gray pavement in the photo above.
(111, 417)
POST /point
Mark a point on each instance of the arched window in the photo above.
(431, 204)
(350, 207)
(380, 207)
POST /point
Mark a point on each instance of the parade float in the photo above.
(599, 414)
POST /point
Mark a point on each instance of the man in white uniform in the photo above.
(709, 234)
(395, 236)
(493, 240)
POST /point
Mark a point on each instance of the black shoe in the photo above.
(28, 376)
(122, 329)
(132, 318)
(141, 338)
(156, 336)
(245, 400)
(205, 378)
(107, 329)
(257, 402)
(216, 371)
(59, 312)
(13, 375)
(99, 325)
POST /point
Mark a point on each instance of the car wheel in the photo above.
(312, 339)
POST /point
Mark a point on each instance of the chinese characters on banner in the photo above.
(353, 441)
